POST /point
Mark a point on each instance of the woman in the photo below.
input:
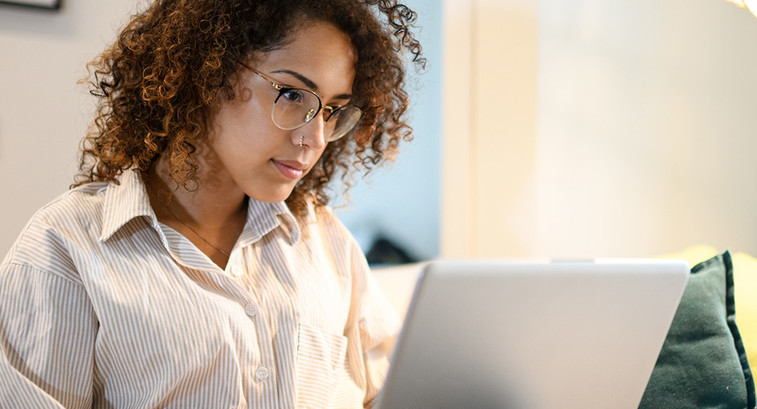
(196, 264)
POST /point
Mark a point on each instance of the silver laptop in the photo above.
(569, 335)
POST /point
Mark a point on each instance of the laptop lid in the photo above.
(495, 334)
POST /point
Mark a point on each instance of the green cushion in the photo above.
(703, 363)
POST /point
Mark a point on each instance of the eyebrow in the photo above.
(308, 82)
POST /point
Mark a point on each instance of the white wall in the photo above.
(635, 133)
(647, 124)
(43, 112)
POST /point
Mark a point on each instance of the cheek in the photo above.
(317, 158)
(241, 122)
(246, 108)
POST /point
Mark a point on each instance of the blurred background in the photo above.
(543, 128)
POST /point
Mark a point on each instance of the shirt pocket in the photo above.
(319, 356)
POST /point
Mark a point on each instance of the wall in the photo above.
(43, 112)
(489, 127)
(598, 128)
(648, 117)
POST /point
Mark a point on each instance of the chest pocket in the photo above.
(320, 358)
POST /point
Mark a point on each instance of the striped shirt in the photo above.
(103, 306)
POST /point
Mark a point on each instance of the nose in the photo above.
(312, 134)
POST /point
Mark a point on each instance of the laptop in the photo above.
(524, 335)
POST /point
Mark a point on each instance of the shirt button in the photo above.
(237, 270)
(251, 310)
(262, 373)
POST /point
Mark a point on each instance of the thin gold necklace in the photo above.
(195, 231)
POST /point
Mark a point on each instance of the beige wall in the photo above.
(589, 128)
(489, 125)
(43, 112)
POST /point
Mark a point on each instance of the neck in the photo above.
(211, 217)
(211, 203)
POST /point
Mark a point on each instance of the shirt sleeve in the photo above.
(378, 326)
(47, 334)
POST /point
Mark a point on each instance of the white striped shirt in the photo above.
(102, 306)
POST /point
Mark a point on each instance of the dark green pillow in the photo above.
(703, 363)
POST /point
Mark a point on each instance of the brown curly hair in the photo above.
(158, 83)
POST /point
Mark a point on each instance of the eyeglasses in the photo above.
(294, 107)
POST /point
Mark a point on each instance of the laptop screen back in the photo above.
(490, 334)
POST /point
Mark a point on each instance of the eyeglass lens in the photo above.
(295, 107)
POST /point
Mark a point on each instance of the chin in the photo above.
(273, 196)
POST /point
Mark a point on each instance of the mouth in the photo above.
(290, 169)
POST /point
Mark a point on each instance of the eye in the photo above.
(292, 95)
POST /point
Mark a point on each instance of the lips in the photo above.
(290, 168)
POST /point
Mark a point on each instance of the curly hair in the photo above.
(158, 83)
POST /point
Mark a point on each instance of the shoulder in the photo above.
(344, 249)
(46, 240)
(324, 215)
(331, 227)
(77, 211)
(79, 205)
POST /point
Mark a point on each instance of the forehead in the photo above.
(319, 51)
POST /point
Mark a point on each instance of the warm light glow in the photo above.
(750, 5)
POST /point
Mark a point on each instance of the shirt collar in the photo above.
(264, 217)
(125, 200)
